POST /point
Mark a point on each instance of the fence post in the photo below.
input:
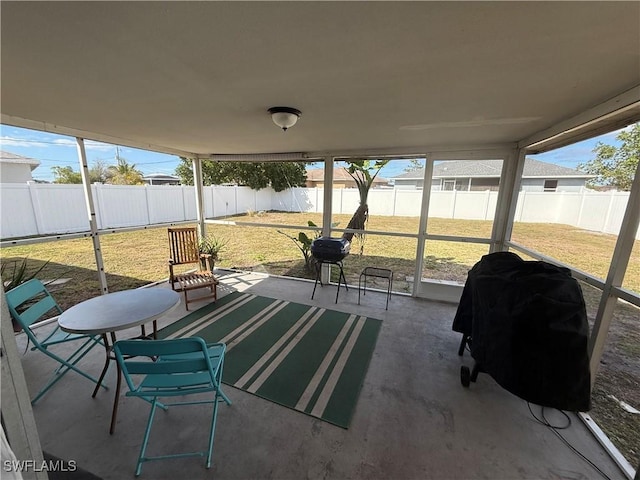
(213, 202)
(395, 199)
(581, 209)
(235, 199)
(99, 205)
(453, 204)
(522, 204)
(487, 200)
(146, 199)
(35, 207)
(605, 222)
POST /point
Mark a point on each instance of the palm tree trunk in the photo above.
(358, 222)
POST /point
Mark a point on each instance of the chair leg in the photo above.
(76, 356)
(62, 372)
(147, 432)
(219, 382)
(224, 397)
(80, 352)
(212, 430)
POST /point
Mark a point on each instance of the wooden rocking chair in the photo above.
(183, 244)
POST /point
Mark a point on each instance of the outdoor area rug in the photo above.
(303, 357)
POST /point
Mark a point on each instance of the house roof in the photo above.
(8, 157)
(160, 176)
(492, 168)
(197, 78)
(339, 175)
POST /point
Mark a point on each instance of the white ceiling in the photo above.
(199, 76)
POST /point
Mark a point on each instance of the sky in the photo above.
(59, 150)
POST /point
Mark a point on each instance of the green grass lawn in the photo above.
(139, 257)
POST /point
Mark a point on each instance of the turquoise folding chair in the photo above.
(28, 304)
(171, 368)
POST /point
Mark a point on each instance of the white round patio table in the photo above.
(109, 313)
(118, 311)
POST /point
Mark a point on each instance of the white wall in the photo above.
(15, 173)
(47, 209)
(564, 184)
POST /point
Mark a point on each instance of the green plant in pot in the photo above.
(210, 248)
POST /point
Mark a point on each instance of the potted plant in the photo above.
(210, 248)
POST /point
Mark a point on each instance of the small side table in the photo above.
(377, 273)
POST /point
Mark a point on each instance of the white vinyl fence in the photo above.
(49, 209)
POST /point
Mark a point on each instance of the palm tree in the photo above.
(124, 173)
(363, 172)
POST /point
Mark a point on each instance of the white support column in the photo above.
(93, 224)
(17, 414)
(422, 227)
(617, 269)
(197, 183)
(510, 180)
(327, 209)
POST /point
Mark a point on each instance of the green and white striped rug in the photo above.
(303, 357)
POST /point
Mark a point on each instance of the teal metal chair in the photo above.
(29, 303)
(172, 368)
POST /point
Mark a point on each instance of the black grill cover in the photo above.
(528, 326)
(330, 248)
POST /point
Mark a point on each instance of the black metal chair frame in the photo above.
(377, 273)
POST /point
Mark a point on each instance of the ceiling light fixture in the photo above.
(284, 117)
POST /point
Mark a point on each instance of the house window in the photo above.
(550, 185)
(448, 185)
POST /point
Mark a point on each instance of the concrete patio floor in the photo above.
(413, 420)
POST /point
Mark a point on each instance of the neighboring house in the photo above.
(341, 179)
(16, 168)
(478, 175)
(161, 179)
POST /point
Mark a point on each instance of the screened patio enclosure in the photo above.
(435, 80)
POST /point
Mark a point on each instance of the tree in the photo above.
(414, 164)
(97, 173)
(65, 175)
(124, 173)
(615, 166)
(278, 175)
(363, 173)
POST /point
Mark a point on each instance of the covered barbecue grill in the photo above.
(330, 250)
(526, 325)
